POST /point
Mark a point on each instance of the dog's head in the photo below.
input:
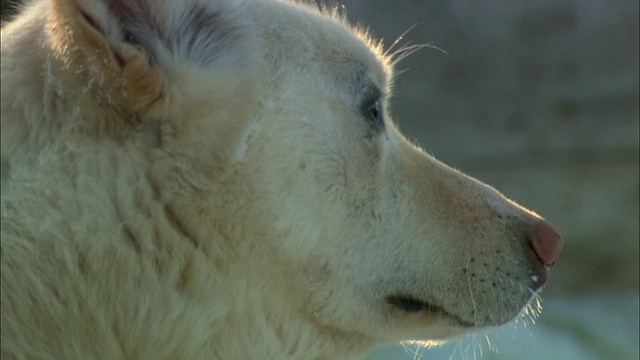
(396, 244)
(268, 128)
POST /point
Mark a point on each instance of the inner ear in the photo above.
(92, 22)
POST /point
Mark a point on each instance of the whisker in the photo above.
(401, 53)
(386, 53)
(409, 49)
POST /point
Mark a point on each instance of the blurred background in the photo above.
(541, 100)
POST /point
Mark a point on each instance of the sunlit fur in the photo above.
(202, 180)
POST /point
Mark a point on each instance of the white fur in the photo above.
(187, 186)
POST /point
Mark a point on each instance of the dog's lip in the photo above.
(411, 304)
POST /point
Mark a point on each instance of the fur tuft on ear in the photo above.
(193, 31)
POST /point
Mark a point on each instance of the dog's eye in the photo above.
(375, 113)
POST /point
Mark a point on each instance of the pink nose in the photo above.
(546, 242)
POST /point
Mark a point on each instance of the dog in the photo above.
(218, 179)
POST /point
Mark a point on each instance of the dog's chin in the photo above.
(409, 304)
(412, 305)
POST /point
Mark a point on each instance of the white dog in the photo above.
(217, 179)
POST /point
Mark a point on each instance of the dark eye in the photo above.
(374, 111)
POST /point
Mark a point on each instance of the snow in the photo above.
(595, 326)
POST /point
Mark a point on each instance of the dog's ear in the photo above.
(100, 58)
(131, 54)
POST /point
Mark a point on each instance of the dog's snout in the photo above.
(544, 239)
(546, 242)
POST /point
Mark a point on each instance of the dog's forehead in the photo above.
(349, 54)
(357, 68)
(323, 41)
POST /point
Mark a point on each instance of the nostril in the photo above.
(546, 242)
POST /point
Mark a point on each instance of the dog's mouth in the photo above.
(410, 304)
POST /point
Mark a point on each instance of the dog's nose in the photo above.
(546, 242)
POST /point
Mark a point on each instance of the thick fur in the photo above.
(220, 180)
